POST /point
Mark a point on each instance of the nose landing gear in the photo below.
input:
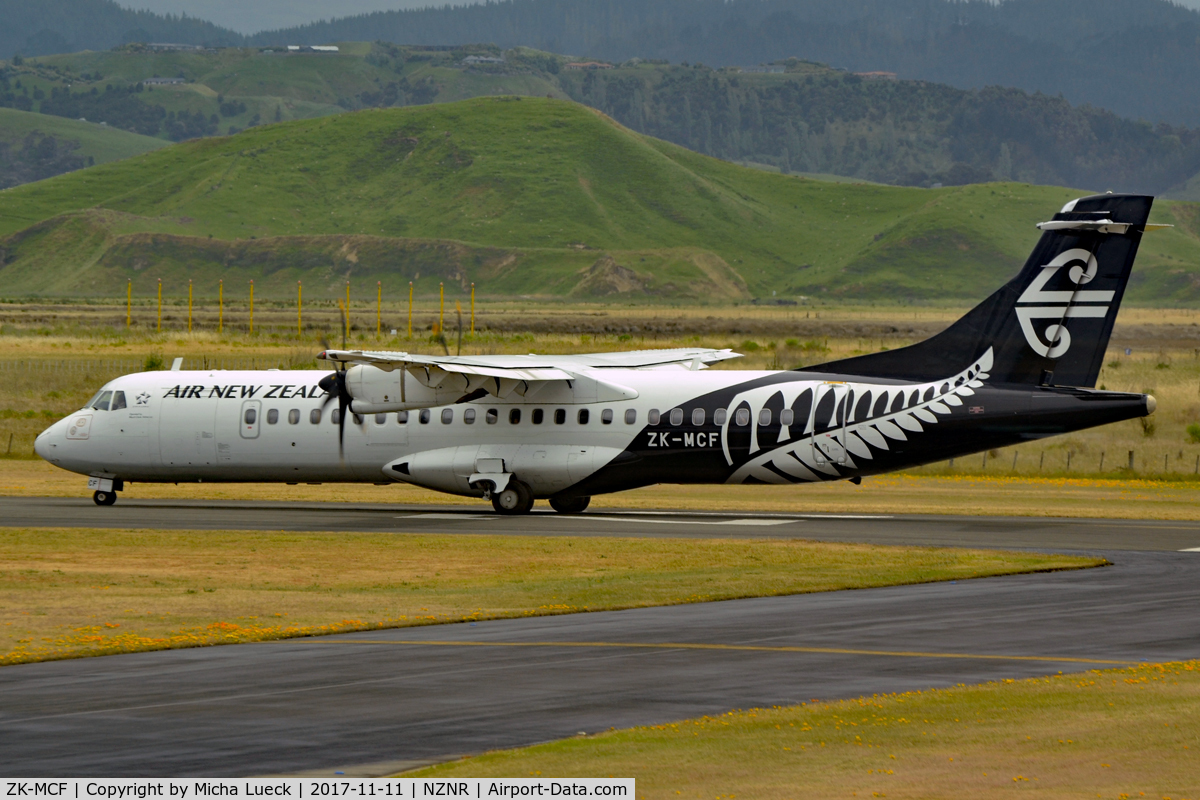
(104, 498)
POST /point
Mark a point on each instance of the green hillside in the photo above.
(523, 196)
(99, 143)
(804, 118)
(36, 146)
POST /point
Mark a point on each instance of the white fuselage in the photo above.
(179, 426)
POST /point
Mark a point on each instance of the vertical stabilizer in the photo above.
(1048, 325)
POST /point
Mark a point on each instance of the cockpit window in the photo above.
(118, 401)
(102, 401)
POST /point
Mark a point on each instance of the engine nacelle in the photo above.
(378, 391)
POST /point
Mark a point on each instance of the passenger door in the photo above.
(250, 419)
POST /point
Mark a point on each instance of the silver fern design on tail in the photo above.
(828, 440)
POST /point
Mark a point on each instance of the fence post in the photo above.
(1131, 461)
(985, 459)
(160, 305)
(410, 292)
(347, 310)
(129, 304)
(1042, 461)
(299, 307)
(441, 307)
(251, 306)
(1101, 461)
(378, 309)
(220, 306)
(1166, 459)
(1068, 461)
(472, 309)
(1015, 454)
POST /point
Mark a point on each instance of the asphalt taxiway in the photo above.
(421, 694)
(934, 530)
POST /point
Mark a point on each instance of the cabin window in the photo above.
(652, 416)
(447, 416)
(538, 416)
(514, 416)
(606, 416)
(250, 416)
(118, 401)
(741, 416)
(423, 417)
(294, 417)
(381, 419)
(764, 417)
(787, 416)
(314, 416)
(676, 416)
(697, 416)
(335, 416)
(560, 416)
(402, 417)
(469, 416)
(102, 401)
(630, 416)
(719, 416)
(492, 416)
(272, 416)
(583, 416)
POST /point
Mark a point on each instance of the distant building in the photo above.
(163, 81)
(167, 47)
(588, 65)
(773, 69)
(312, 48)
(877, 76)
(483, 60)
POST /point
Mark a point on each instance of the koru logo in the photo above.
(1038, 303)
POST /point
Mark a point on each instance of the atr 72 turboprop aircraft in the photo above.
(1020, 366)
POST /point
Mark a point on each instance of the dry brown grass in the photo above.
(1125, 733)
(66, 593)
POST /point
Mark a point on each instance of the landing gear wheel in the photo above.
(517, 498)
(104, 498)
(569, 505)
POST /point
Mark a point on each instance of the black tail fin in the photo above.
(1048, 325)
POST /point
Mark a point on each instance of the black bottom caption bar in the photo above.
(297, 788)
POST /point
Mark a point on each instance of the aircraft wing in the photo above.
(532, 367)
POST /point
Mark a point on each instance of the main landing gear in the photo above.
(104, 498)
(570, 505)
(517, 498)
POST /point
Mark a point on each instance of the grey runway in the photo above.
(416, 694)
(935, 530)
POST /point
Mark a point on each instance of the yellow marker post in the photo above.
(160, 304)
(129, 305)
(442, 307)
(189, 306)
(347, 309)
(299, 307)
(472, 309)
(410, 291)
(378, 309)
(220, 306)
(251, 305)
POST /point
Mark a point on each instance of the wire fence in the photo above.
(124, 366)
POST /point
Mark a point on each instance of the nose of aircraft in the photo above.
(42, 444)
